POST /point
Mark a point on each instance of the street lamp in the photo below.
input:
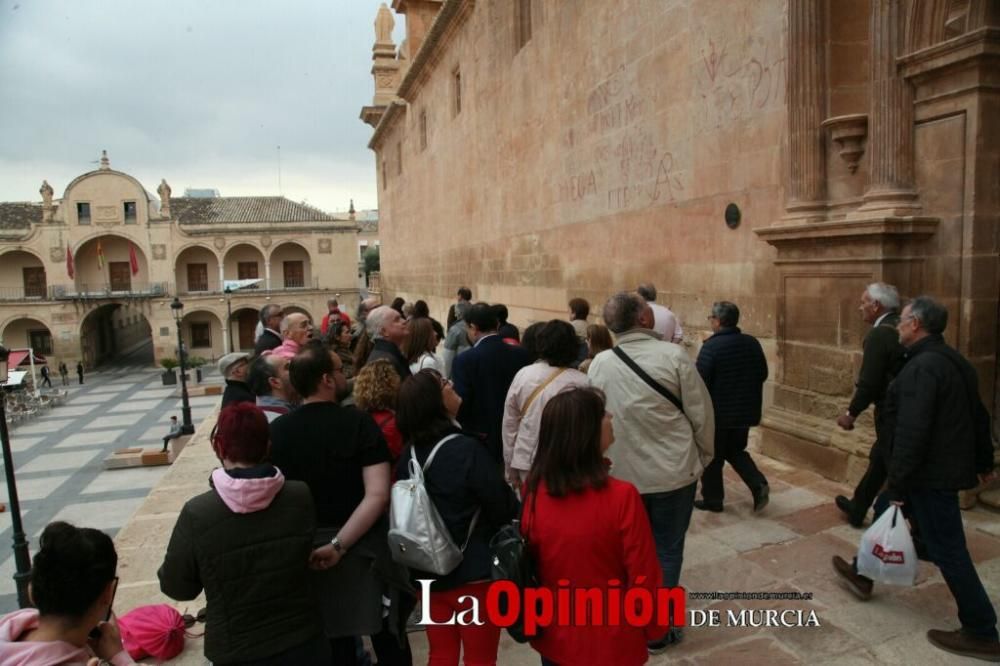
(187, 427)
(229, 320)
(22, 561)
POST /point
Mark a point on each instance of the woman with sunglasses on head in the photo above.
(247, 543)
(73, 586)
(472, 499)
(585, 526)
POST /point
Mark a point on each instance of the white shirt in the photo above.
(666, 323)
(428, 360)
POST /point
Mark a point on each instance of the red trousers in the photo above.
(477, 643)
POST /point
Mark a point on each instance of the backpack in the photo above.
(418, 537)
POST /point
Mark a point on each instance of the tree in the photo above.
(372, 262)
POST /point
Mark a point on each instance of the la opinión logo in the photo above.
(888, 556)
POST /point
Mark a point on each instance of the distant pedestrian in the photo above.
(46, 380)
(175, 432)
(64, 373)
(79, 370)
(734, 369)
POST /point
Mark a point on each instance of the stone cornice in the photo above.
(392, 112)
(237, 229)
(848, 229)
(451, 16)
(984, 42)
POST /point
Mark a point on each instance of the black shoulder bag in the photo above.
(657, 386)
(512, 561)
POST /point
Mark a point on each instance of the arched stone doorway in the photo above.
(115, 332)
(243, 328)
(202, 332)
(104, 265)
(290, 267)
(22, 275)
(196, 270)
(27, 332)
(244, 262)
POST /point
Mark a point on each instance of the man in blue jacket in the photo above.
(734, 369)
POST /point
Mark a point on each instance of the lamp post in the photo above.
(22, 561)
(229, 319)
(187, 427)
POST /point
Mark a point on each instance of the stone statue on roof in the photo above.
(46, 192)
(384, 23)
(164, 191)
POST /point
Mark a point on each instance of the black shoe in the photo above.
(858, 584)
(761, 497)
(702, 505)
(965, 645)
(673, 637)
(847, 506)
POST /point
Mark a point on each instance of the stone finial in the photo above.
(46, 192)
(350, 211)
(164, 191)
(384, 24)
(105, 163)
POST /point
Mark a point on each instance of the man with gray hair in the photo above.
(388, 331)
(456, 340)
(880, 361)
(664, 427)
(270, 336)
(665, 322)
(940, 444)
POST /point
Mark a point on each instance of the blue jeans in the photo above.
(669, 516)
(939, 522)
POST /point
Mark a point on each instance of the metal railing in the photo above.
(22, 294)
(107, 290)
(303, 285)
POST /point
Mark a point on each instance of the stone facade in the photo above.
(535, 152)
(93, 274)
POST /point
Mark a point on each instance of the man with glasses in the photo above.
(734, 368)
(880, 362)
(940, 444)
(269, 338)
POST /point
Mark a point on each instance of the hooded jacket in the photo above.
(247, 543)
(41, 653)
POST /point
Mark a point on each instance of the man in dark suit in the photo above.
(270, 318)
(483, 374)
(882, 358)
(734, 368)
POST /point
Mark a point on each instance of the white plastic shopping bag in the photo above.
(886, 553)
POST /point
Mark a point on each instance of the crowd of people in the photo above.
(593, 436)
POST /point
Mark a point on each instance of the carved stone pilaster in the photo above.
(806, 74)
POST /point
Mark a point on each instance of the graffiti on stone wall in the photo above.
(734, 83)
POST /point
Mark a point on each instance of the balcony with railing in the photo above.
(107, 290)
(38, 293)
(291, 283)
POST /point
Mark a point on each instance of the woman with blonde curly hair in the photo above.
(375, 390)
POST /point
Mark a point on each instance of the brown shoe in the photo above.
(858, 584)
(965, 645)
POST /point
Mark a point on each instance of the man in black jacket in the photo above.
(734, 368)
(940, 444)
(879, 364)
(270, 318)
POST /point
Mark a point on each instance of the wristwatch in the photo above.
(337, 546)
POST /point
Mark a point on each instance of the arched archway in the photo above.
(196, 270)
(243, 327)
(243, 262)
(27, 332)
(203, 334)
(104, 264)
(22, 275)
(291, 266)
(115, 332)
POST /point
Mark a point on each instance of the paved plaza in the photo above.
(58, 456)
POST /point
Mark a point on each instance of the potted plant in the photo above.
(169, 377)
(196, 362)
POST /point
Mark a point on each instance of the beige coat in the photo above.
(657, 448)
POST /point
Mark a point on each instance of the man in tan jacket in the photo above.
(664, 427)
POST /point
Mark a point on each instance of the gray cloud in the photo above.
(200, 92)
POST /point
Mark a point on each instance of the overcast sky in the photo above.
(200, 92)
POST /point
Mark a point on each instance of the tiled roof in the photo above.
(19, 215)
(248, 210)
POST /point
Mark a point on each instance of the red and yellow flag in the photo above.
(100, 255)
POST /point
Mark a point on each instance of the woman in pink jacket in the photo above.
(73, 585)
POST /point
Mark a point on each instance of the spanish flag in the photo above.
(100, 255)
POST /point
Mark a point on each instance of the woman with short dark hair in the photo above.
(73, 585)
(472, 500)
(569, 486)
(533, 386)
(247, 543)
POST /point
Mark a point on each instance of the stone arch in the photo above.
(200, 326)
(243, 327)
(244, 253)
(23, 274)
(107, 172)
(196, 269)
(290, 266)
(113, 277)
(115, 330)
(25, 330)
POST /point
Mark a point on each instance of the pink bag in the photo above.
(152, 631)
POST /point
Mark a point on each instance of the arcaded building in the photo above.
(781, 155)
(90, 276)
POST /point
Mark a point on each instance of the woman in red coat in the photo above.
(588, 528)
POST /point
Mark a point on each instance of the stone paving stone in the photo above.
(134, 405)
(103, 515)
(880, 619)
(752, 534)
(112, 388)
(154, 433)
(5, 520)
(33, 489)
(116, 421)
(198, 414)
(19, 443)
(798, 557)
(40, 427)
(793, 500)
(813, 520)
(762, 650)
(130, 478)
(94, 399)
(59, 461)
(63, 411)
(861, 657)
(703, 549)
(91, 437)
(913, 648)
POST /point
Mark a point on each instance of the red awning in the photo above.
(21, 356)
